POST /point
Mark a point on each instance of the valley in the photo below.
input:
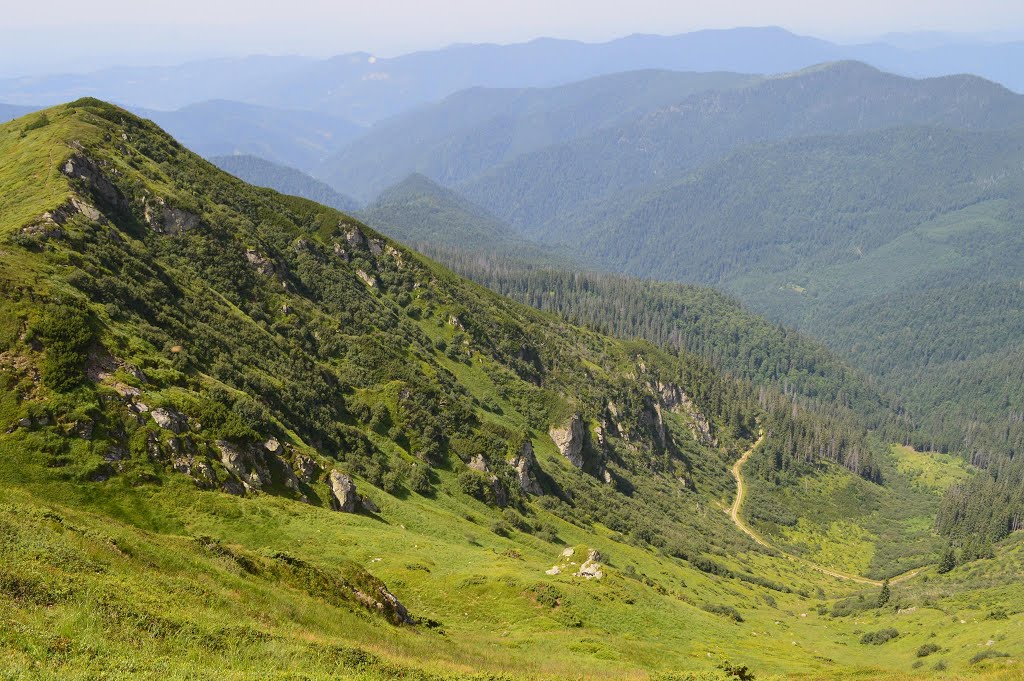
(668, 358)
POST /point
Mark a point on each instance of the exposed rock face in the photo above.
(591, 568)
(307, 468)
(367, 279)
(385, 602)
(50, 222)
(201, 472)
(569, 440)
(170, 419)
(526, 467)
(355, 237)
(245, 464)
(478, 463)
(178, 220)
(344, 492)
(80, 167)
(260, 263)
(674, 399)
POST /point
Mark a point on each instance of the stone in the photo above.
(366, 278)
(307, 468)
(80, 167)
(260, 263)
(245, 464)
(178, 220)
(169, 419)
(526, 467)
(368, 505)
(355, 238)
(343, 491)
(591, 568)
(569, 440)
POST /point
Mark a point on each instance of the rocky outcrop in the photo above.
(500, 493)
(246, 464)
(355, 237)
(260, 263)
(170, 419)
(366, 278)
(569, 440)
(591, 568)
(307, 468)
(343, 493)
(177, 220)
(384, 602)
(84, 169)
(675, 399)
(526, 467)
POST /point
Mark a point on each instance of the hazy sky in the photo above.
(70, 31)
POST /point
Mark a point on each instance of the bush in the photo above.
(65, 333)
(419, 479)
(877, 638)
(927, 649)
(988, 655)
(475, 484)
(724, 610)
(997, 614)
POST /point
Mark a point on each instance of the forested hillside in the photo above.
(473, 130)
(263, 173)
(427, 216)
(635, 158)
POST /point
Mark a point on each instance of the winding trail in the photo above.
(737, 519)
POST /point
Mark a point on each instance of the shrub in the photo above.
(419, 479)
(927, 649)
(988, 655)
(724, 610)
(737, 671)
(475, 484)
(546, 595)
(997, 614)
(877, 638)
(65, 333)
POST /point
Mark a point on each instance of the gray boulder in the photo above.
(569, 440)
(343, 491)
(525, 465)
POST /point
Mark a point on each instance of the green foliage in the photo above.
(40, 121)
(884, 594)
(927, 649)
(724, 610)
(263, 173)
(877, 638)
(66, 334)
(989, 654)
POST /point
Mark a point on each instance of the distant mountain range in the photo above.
(218, 127)
(365, 89)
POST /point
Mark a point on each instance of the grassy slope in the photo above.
(115, 576)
